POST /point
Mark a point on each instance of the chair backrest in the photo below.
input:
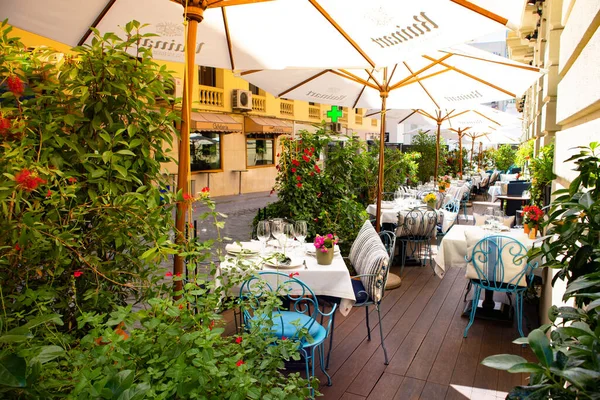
(417, 224)
(499, 262)
(268, 284)
(452, 205)
(440, 200)
(388, 239)
(517, 188)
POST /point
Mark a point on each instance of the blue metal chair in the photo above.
(465, 200)
(416, 228)
(298, 323)
(451, 206)
(492, 257)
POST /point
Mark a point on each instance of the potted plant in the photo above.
(532, 216)
(325, 246)
(430, 199)
(444, 182)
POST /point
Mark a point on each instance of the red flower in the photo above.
(188, 197)
(4, 126)
(169, 274)
(271, 192)
(239, 363)
(77, 273)
(296, 162)
(238, 340)
(298, 178)
(316, 219)
(49, 193)
(205, 189)
(319, 194)
(181, 306)
(284, 338)
(293, 169)
(306, 158)
(17, 247)
(312, 149)
(277, 154)
(317, 168)
(306, 151)
(178, 274)
(293, 274)
(277, 167)
(27, 180)
(15, 85)
(72, 180)
(299, 185)
(312, 174)
(211, 325)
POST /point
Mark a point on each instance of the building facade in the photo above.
(236, 127)
(563, 107)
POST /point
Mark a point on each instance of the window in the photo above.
(254, 89)
(207, 76)
(205, 151)
(260, 149)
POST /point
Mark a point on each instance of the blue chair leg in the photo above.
(519, 312)
(368, 327)
(308, 376)
(312, 371)
(381, 334)
(322, 364)
(476, 295)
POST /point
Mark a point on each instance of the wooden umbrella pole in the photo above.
(480, 156)
(472, 149)
(380, 182)
(194, 11)
(437, 147)
(460, 159)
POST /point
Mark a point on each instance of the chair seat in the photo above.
(291, 321)
(360, 292)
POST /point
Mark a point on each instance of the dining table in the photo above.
(324, 280)
(452, 252)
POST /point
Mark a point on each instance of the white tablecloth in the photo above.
(390, 210)
(453, 248)
(325, 280)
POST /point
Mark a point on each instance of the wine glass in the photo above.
(263, 232)
(300, 229)
(277, 229)
(288, 234)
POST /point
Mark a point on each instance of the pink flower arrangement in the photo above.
(324, 243)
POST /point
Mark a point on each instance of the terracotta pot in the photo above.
(526, 228)
(533, 233)
(324, 258)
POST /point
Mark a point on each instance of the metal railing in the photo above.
(211, 96)
(314, 112)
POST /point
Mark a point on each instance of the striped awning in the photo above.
(254, 124)
(207, 122)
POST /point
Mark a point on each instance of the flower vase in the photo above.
(526, 229)
(533, 233)
(431, 204)
(324, 258)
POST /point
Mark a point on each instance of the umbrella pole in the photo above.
(460, 159)
(194, 15)
(480, 156)
(381, 162)
(437, 149)
(472, 149)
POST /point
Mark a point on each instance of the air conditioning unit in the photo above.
(242, 99)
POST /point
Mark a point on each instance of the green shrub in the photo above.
(425, 144)
(504, 157)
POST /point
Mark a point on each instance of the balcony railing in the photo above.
(314, 112)
(210, 96)
(358, 119)
(259, 103)
(286, 107)
(373, 122)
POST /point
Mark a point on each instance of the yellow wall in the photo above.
(256, 179)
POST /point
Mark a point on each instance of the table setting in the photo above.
(281, 248)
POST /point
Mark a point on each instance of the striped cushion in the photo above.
(368, 256)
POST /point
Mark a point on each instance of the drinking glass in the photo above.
(263, 233)
(300, 229)
(288, 234)
(277, 229)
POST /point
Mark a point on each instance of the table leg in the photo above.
(489, 309)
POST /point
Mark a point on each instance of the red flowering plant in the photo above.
(532, 216)
(87, 224)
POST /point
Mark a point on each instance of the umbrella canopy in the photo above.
(249, 34)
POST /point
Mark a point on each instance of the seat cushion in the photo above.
(360, 292)
(369, 256)
(292, 322)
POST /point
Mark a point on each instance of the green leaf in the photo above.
(42, 319)
(48, 353)
(13, 338)
(126, 152)
(526, 368)
(120, 382)
(578, 376)
(541, 347)
(586, 200)
(503, 361)
(13, 371)
(121, 170)
(136, 392)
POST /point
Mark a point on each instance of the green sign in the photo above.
(334, 114)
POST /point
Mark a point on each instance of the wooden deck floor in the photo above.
(429, 359)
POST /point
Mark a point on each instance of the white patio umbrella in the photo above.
(248, 34)
(476, 120)
(457, 77)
